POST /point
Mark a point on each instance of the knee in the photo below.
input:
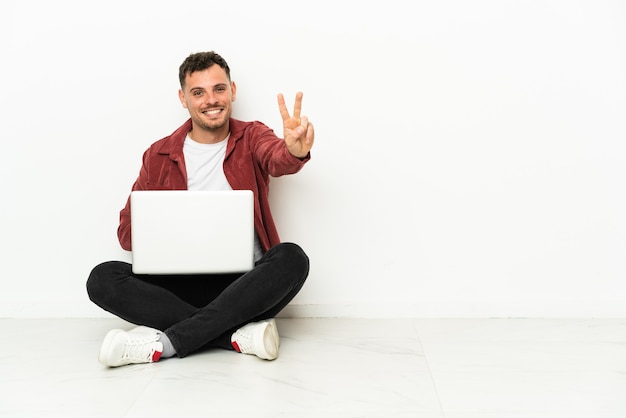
(100, 280)
(295, 258)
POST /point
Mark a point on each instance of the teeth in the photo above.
(212, 112)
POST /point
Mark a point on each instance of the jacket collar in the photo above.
(173, 145)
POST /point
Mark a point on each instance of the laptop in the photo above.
(192, 232)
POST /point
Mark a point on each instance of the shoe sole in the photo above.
(270, 340)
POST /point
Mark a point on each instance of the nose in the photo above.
(210, 98)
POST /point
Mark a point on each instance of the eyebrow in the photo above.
(202, 88)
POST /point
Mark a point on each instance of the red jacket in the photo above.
(253, 154)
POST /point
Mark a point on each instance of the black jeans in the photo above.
(201, 311)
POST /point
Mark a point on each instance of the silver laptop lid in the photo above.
(192, 232)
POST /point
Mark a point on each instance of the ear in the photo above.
(181, 97)
(233, 88)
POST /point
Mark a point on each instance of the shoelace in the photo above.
(138, 348)
(244, 341)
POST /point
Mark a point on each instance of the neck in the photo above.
(209, 136)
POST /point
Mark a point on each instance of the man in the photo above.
(211, 151)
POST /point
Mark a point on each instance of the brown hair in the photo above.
(201, 61)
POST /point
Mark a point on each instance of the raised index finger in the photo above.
(282, 107)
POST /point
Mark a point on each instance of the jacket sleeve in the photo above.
(124, 229)
(272, 154)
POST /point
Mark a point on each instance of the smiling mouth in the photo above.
(212, 112)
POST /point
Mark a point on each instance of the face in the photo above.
(208, 96)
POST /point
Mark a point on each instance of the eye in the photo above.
(197, 93)
(220, 89)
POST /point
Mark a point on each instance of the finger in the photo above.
(299, 132)
(297, 107)
(284, 113)
(310, 136)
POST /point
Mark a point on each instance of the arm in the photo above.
(124, 230)
(287, 155)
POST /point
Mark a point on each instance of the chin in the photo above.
(213, 125)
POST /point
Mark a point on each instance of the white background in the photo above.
(469, 155)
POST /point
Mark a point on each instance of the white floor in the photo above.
(492, 368)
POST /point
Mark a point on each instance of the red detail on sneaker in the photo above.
(236, 346)
(156, 356)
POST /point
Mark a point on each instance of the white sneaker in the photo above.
(258, 338)
(139, 345)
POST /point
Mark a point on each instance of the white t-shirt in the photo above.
(205, 165)
(205, 171)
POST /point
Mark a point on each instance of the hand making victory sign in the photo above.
(297, 130)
